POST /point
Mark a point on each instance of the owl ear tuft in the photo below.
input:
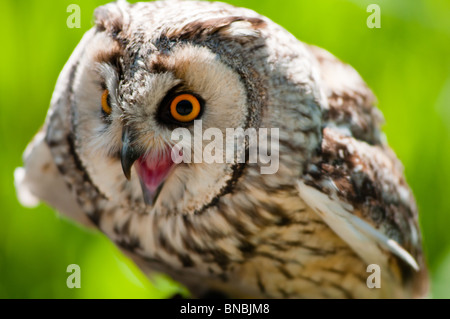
(112, 17)
(242, 27)
(233, 27)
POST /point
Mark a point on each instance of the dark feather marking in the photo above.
(207, 254)
(111, 56)
(125, 229)
(246, 247)
(224, 277)
(94, 215)
(347, 293)
(314, 250)
(109, 18)
(159, 65)
(221, 258)
(308, 279)
(284, 293)
(283, 221)
(132, 244)
(185, 260)
(261, 286)
(276, 210)
(164, 244)
(279, 260)
(285, 272)
(238, 170)
(301, 222)
(213, 233)
(278, 246)
(237, 225)
(335, 271)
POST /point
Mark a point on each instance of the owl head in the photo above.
(147, 69)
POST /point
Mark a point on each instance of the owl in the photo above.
(336, 208)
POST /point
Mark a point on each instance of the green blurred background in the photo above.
(406, 62)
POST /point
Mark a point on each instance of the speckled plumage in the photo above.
(338, 202)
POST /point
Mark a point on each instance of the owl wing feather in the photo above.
(356, 183)
(40, 179)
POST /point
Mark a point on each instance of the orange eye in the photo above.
(105, 102)
(185, 108)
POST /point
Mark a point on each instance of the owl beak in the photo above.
(151, 171)
(128, 155)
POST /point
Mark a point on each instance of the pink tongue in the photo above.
(152, 173)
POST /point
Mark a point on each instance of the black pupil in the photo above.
(184, 107)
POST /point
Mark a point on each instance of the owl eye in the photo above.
(106, 107)
(185, 108)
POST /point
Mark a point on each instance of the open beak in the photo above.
(152, 171)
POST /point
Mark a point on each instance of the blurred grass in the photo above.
(406, 63)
